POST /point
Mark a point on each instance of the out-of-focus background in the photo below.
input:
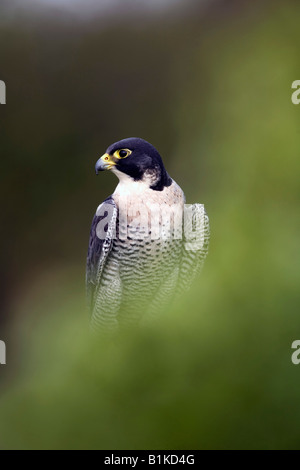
(209, 84)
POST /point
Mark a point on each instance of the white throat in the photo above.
(127, 186)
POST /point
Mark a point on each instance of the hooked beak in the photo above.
(104, 163)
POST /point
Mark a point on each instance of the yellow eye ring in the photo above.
(122, 153)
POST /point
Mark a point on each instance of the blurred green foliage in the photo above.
(213, 92)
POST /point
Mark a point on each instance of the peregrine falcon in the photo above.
(146, 245)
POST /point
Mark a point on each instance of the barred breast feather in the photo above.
(132, 278)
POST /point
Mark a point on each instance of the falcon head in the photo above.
(136, 160)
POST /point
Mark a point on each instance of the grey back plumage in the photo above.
(100, 246)
(195, 246)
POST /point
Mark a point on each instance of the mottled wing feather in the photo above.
(195, 246)
(100, 246)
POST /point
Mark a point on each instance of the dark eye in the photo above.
(123, 153)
